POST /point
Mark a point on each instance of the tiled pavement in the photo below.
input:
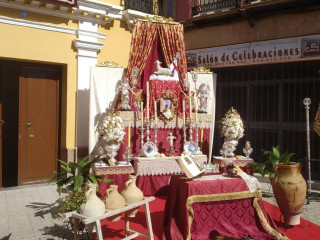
(29, 212)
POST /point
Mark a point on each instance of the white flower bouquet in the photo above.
(231, 126)
(112, 129)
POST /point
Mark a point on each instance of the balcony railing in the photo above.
(154, 7)
(203, 6)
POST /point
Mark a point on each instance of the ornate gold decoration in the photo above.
(167, 114)
(111, 64)
(118, 170)
(158, 19)
(137, 95)
(201, 70)
(256, 195)
(271, 230)
(188, 97)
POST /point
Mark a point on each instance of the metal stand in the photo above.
(197, 138)
(190, 131)
(307, 102)
(184, 134)
(141, 153)
(148, 130)
(156, 136)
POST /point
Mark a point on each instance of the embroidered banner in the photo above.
(317, 121)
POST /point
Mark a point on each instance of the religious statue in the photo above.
(247, 149)
(171, 138)
(203, 93)
(125, 87)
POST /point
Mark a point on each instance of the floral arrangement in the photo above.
(231, 126)
(112, 129)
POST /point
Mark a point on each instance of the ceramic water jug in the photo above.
(93, 207)
(289, 188)
(114, 200)
(132, 194)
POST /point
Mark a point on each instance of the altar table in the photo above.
(242, 163)
(119, 174)
(215, 205)
(153, 174)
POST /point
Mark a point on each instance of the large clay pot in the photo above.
(132, 194)
(289, 188)
(114, 200)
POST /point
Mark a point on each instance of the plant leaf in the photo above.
(103, 179)
(78, 181)
(276, 152)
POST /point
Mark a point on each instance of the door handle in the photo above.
(32, 135)
(29, 124)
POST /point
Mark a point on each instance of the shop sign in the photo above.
(274, 51)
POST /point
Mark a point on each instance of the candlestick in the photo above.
(141, 113)
(148, 101)
(184, 112)
(155, 112)
(129, 136)
(196, 111)
(190, 104)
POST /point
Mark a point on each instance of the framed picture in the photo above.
(168, 105)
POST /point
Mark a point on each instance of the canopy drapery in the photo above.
(155, 41)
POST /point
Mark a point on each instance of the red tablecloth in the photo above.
(119, 175)
(206, 208)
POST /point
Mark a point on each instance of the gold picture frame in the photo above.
(168, 103)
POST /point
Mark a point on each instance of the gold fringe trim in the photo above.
(107, 171)
(231, 196)
(271, 230)
(158, 19)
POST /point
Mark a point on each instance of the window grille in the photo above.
(269, 99)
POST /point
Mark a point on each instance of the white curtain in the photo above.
(211, 81)
(104, 84)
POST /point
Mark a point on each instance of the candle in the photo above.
(148, 101)
(129, 136)
(190, 106)
(141, 114)
(184, 112)
(155, 112)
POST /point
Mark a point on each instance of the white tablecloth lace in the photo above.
(161, 166)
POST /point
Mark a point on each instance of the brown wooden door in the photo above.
(38, 123)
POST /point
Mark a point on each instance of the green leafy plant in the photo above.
(77, 174)
(72, 201)
(274, 157)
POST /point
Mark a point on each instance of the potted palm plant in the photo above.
(77, 174)
(289, 187)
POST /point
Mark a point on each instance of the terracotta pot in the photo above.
(114, 200)
(289, 188)
(132, 194)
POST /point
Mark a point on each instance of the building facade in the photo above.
(46, 51)
(266, 55)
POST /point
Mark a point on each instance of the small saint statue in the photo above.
(171, 138)
(247, 149)
(203, 93)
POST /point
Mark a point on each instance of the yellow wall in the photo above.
(117, 43)
(30, 44)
